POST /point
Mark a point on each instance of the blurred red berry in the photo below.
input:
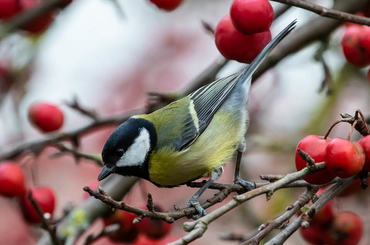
(45, 197)
(39, 24)
(168, 5)
(352, 49)
(236, 46)
(251, 16)
(347, 229)
(46, 116)
(155, 229)
(9, 8)
(365, 143)
(315, 146)
(325, 215)
(12, 180)
(353, 188)
(365, 38)
(344, 158)
(128, 232)
(314, 235)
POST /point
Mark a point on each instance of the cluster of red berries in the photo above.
(10, 8)
(46, 116)
(356, 43)
(342, 158)
(333, 228)
(13, 185)
(167, 5)
(153, 230)
(243, 34)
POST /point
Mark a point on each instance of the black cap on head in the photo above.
(120, 141)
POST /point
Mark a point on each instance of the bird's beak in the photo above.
(105, 172)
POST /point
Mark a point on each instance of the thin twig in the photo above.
(105, 231)
(327, 12)
(45, 223)
(76, 154)
(302, 200)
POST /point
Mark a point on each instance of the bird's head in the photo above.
(127, 149)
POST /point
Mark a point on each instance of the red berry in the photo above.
(365, 143)
(325, 215)
(168, 5)
(155, 229)
(314, 235)
(9, 8)
(45, 197)
(315, 146)
(352, 49)
(353, 188)
(236, 46)
(128, 232)
(12, 180)
(364, 39)
(347, 229)
(47, 117)
(39, 24)
(344, 158)
(251, 16)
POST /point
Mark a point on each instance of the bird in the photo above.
(189, 138)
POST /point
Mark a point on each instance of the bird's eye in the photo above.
(119, 152)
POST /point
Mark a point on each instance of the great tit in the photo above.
(190, 137)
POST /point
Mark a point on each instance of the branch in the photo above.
(27, 16)
(326, 12)
(319, 204)
(197, 228)
(75, 104)
(105, 231)
(90, 210)
(37, 146)
(45, 223)
(76, 154)
(265, 229)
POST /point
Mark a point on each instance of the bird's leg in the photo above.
(237, 179)
(193, 202)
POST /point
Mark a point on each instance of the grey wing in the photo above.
(204, 103)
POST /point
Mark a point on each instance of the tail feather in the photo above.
(247, 73)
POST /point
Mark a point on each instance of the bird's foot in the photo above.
(248, 185)
(198, 207)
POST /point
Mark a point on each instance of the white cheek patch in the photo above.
(137, 152)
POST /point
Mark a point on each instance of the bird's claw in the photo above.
(198, 207)
(248, 186)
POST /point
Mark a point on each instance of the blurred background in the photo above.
(110, 57)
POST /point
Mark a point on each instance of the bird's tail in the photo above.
(247, 73)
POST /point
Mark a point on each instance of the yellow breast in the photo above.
(213, 148)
